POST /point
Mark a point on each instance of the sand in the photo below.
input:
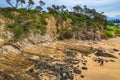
(110, 70)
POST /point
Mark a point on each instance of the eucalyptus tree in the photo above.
(42, 3)
(56, 8)
(62, 7)
(22, 2)
(77, 9)
(39, 8)
(30, 4)
(19, 3)
(13, 4)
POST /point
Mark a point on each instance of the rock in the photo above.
(4, 76)
(84, 50)
(8, 49)
(104, 54)
(75, 61)
(84, 68)
(30, 71)
(34, 57)
(77, 71)
(72, 61)
(40, 65)
(111, 60)
(66, 75)
(84, 63)
(82, 76)
(106, 60)
(70, 53)
(37, 38)
(115, 50)
(2, 42)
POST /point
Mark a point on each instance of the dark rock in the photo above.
(84, 68)
(115, 49)
(84, 50)
(30, 71)
(106, 60)
(70, 53)
(41, 65)
(104, 54)
(77, 71)
(66, 75)
(78, 66)
(84, 63)
(111, 60)
(119, 53)
(82, 76)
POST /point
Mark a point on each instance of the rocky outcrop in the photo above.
(9, 49)
(51, 27)
(5, 35)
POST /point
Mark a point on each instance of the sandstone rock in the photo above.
(75, 61)
(4, 76)
(1, 42)
(8, 49)
(37, 38)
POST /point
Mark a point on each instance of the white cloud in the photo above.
(112, 13)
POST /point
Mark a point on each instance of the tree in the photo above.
(30, 3)
(22, 2)
(62, 7)
(14, 4)
(51, 10)
(38, 8)
(56, 8)
(77, 9)
(41, 3)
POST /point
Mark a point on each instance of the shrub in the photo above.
(109, 33)
(68, 35)
(61, 37)
(42, 29)
(18, 30)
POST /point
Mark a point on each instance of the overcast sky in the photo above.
(111, 8)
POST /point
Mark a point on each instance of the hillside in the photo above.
(22, 23)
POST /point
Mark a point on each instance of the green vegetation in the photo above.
(112, 31)
(24, 21)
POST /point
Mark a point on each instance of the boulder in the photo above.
(77, 71)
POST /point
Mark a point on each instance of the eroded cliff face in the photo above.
(5, 35)
(51, 27)
(41, 57)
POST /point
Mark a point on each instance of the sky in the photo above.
(111, 8)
